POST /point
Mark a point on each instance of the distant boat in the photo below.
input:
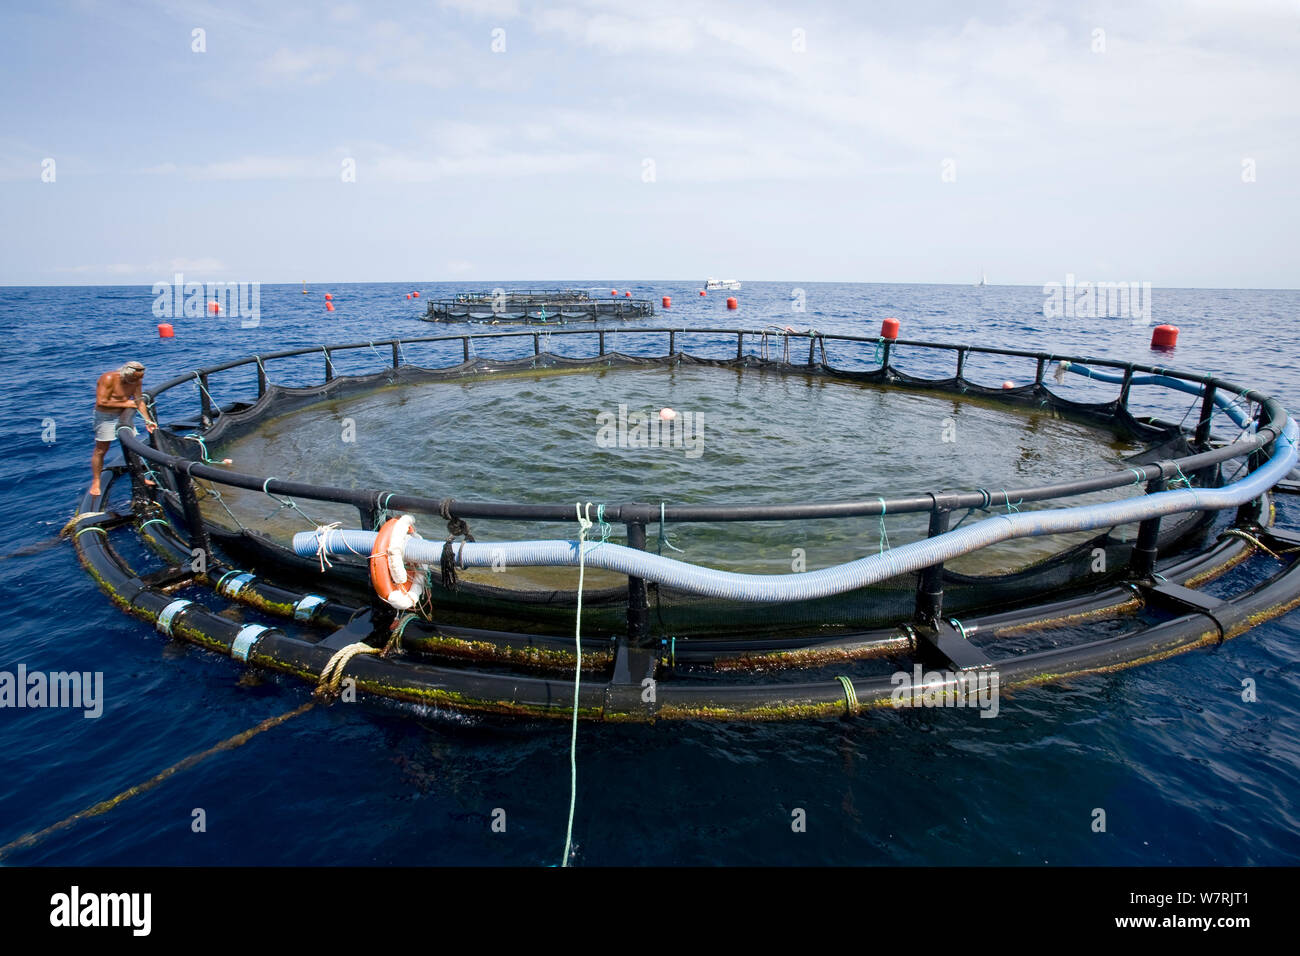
(984, 280)
(712, 284)
(304, 286)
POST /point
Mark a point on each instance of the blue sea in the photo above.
(1186, 772)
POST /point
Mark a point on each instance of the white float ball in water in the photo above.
(667, 414)
(1008, 384)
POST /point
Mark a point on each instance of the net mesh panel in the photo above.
(544, 609)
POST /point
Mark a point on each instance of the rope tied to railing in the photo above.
(198, 381)
(398, 631)
(663, 534)
(884, 532)
(984, 507)
(456, 528)
(210, 491)
(205, 457)
(382, 513)
(285, 502)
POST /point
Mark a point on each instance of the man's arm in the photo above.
(144, 410)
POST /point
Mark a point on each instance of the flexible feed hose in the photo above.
(781, 588)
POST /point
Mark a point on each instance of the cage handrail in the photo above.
(1273, 420)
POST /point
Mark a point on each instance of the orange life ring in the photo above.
(388, 572)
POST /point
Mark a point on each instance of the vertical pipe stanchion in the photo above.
(464, 346)
(601, 338)
(672, 344)
(812, 347)
(638, 608)
(1207, 412)
(961, 363)
(397, 355)
(1122, 405)
(537, 344)
(929, 588)
(205, 397)
(884, 356)
(139, 498)
(1038, 376)
(193, 516)
(740, 345)
(261, 379)
(1143, 561)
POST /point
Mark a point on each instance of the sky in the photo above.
(494, 140)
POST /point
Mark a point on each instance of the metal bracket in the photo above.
(632, 665)
(946, 642)
(1175, 597)
(360, 628)
(167, 577)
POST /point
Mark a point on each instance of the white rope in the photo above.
(584, 523)
(322, 534)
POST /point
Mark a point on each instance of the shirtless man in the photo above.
(117, 399)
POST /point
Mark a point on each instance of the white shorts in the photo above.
(107, 423)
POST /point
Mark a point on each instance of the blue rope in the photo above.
(663, 536)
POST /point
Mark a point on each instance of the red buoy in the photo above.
(165, 330)
(733, 304)
(329, 306)
(668, 302)
(214, 307)
(408, 295)
(889, 329)
(416, 294)
(329, 296)
(702, 292)
(1164, 336)
(613, 292)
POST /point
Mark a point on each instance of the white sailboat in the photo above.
(984, 280)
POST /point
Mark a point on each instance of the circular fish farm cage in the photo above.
(534, 307)
(695, 523)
